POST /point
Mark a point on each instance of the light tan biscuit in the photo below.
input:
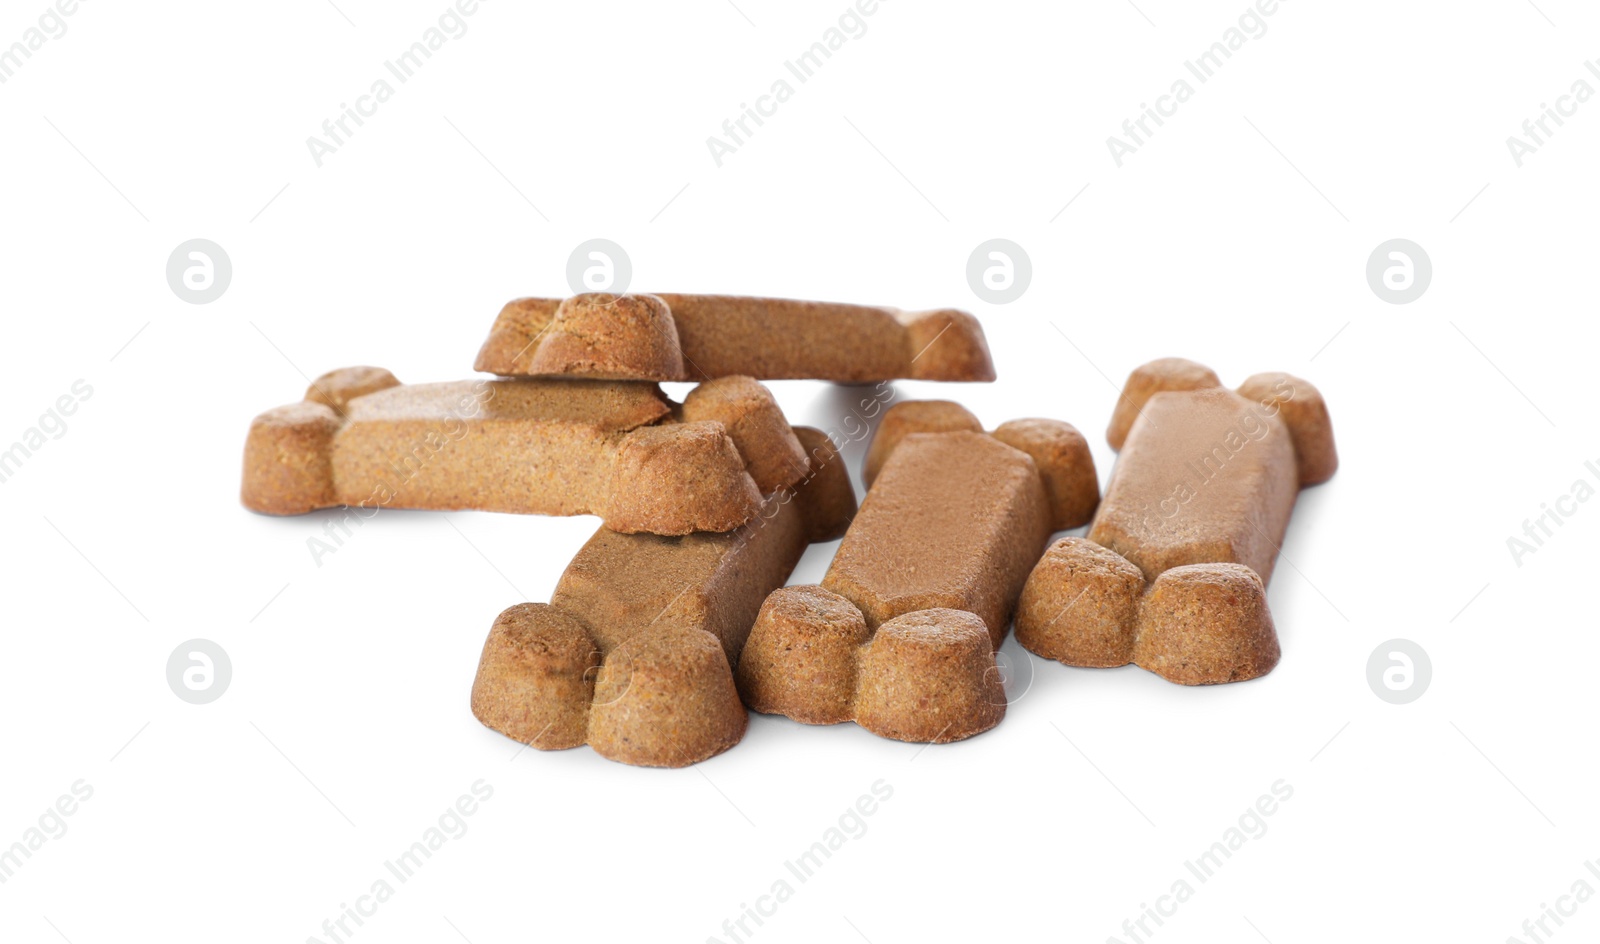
(1173, 574)
(620, 450)
(698, 337)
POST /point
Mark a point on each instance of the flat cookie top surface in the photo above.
(1206, 476)
(939, 519)
(603, 405)
(776, 338)
(621, 584)
(647, 570)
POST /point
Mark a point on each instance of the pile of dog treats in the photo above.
(674, 619)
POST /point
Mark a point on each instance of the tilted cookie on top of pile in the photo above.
(1173, 574)
(698, 337)
(901, 635)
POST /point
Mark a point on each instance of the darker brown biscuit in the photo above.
(901, 635)
(955, 521)
(1101, 589)
(605, 337)
(665, 698)
(757, 427)
(1206, 623)
(536, 677)
(807, 660)
(698, 337)
(929, 676)
(914, 416)
(632, 653)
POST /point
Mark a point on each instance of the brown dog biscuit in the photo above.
(901, 635)
(954, 512)
(1060, 452)
(1207, 479)
(913, 416)
(803, 661)
(1173, 574)
(536, 677)
(632, 653)
(1304, 412)
(1164, 374)
(1057, 448)
(930, 676)
(557, 447)
(598, 335)
(757, 427)
(338, 387)
(698, 337)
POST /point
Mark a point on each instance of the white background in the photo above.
(1238, 237)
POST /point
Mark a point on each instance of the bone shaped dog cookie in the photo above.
(632, 653)
(1172, 576)
(901, 635)
(698, 337)
(554, 447)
